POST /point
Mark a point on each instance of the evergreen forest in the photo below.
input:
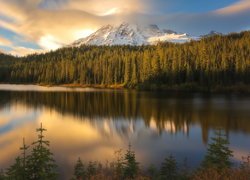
(212, 63)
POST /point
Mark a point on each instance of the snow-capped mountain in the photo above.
(212, 33)
(132, 34)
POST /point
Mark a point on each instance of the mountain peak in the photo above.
(169, 31)
(106, 27)
(131, 34)
(212, 33)
(154, 26)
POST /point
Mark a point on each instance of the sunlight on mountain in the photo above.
(83, 33)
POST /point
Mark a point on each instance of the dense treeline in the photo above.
(211, 62)
(40, 165)
(6, 62)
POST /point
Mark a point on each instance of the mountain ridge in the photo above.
(132, 34)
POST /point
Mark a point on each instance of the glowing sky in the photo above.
(28, 26)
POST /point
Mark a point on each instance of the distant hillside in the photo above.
(211, 63)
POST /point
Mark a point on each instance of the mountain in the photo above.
(131, 34)
(212, 33)
(169, 31)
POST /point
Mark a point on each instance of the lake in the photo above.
(94, 123)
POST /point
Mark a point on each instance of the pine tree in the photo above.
(118, 165)
(134, 78)
(41, 164)
(79, 171)
(2, 175)
(91, 169)
(127, 71)
(152, 172)
(169, 169)
(18, 170)
(218, 153)
(131, 166)
(24, 149)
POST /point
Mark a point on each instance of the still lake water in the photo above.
(92, 124)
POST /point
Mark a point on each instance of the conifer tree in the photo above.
(131, 166)
(169, 169)
(24, 149)
(2, 175)
(91, 169)
(127, 71)
(134, 78)
(218, 153)
(41, 164)
(79, 171)
(15, 171)
(18, 170)
(118, 165)
(152, 172)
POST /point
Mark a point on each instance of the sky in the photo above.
(30, 26)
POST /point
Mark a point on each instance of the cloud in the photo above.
(61, 25)
(5, 42)
(17, 50)
(99, 7)
(66, 22)
(23, 51)
(53, 24)
(49, 42)
(238, 7)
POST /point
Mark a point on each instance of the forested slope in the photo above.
(212, 62)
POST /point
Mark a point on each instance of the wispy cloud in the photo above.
(238, 7)
(52, 24)
(53, 28)
(98, 7)
(16, 49)
(5, 42)
(23, 51)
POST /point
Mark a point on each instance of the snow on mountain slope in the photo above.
(131, 34)
(176, 38)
